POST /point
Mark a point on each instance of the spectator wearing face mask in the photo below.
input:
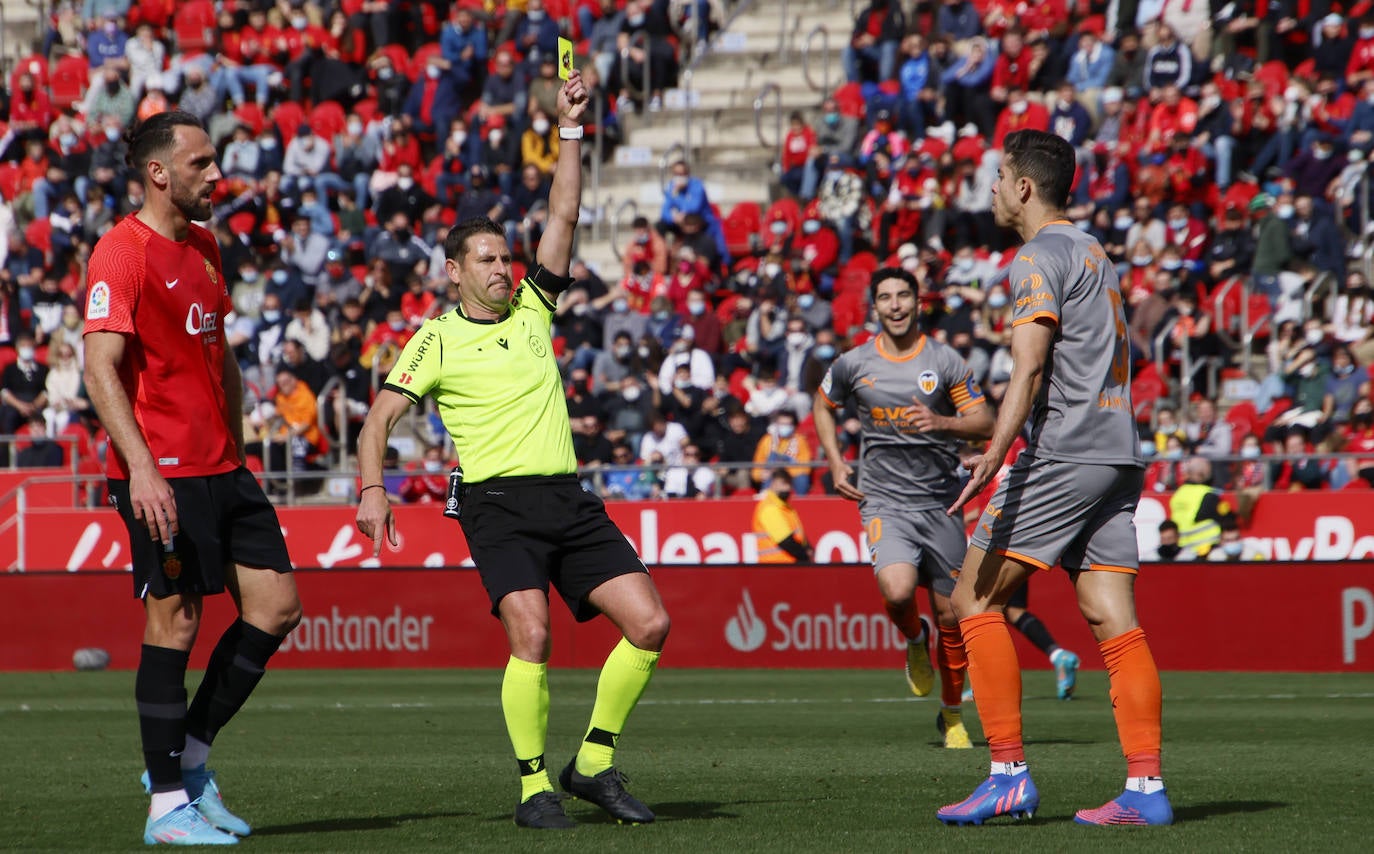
(614, 364)
(687, 195)
(1169, 549)
(429, 485)
(704, 323)
(783, 447)
(645, 245)
(23, 387)
(701, 371)
(306, 158)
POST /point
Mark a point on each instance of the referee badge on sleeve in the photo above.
(928, 382)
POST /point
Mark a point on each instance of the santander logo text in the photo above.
(798, 631)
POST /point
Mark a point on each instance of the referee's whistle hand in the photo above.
(376, 522)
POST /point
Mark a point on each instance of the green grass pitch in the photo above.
(731, 761)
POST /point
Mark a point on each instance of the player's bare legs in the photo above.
(1107, 600)
(632, 603)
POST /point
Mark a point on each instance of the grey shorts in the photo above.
(927, 539)
(1079, 515)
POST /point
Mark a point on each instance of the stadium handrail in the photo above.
(824, 32)
(776, 91)
(615, 226)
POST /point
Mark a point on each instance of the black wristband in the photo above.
(372, 486)
(548, 282)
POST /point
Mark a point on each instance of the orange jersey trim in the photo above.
(1020, 558)
(920, 345)
(1039, 314)
(976, 402)
(1105, 567)
(1053, 222)
(828, 402)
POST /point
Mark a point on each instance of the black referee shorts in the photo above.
(525, 532)
(222, 519)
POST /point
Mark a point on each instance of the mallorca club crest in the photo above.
(210, 271)
(928, 382)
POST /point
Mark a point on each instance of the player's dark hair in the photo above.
(153, 137)
(456, 243)
(882, 274)
(1046, 159)
(1168, 525)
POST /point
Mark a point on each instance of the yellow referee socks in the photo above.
(624, 677)
(525, 703)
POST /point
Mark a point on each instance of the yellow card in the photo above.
(565, 58)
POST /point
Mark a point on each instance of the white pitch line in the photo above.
(700, 701)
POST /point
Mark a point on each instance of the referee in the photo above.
(489, 366)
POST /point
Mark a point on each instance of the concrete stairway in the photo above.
(720, 130)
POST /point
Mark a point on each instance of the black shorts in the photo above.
(525, 532)
(222, 519)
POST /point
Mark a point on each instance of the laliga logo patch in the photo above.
(928, 381)
(98, 304)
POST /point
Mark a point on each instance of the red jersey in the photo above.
(169, 298)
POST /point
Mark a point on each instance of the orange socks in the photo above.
(1137, 700)
(996, 672)
(953, 663)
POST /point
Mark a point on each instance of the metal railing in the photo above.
(760, 101)
(824, 32)
(1324, 285)
(598, 151)
(685, 85)
(1248, 330)
(782, 33)
(633, 206)
(640, 40)
(1218, 310)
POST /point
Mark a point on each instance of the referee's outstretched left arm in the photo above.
(565, 196)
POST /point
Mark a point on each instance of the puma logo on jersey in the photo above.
(502, 342)
(868, 381)
(1029, 259)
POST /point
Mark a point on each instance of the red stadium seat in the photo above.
(848, 312)
(39, 235)
(9, 181)
(1146, 388)
(1242, 418)
(850, 99)
(69, 80)
(421, 58)
(251, 115)
(194, 26)
(287, 116)
(366, 109)
(741, 226)
(327, 119)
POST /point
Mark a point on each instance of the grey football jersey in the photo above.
(902, 467)
(1083, 413)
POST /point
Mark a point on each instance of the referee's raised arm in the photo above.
(565, 196)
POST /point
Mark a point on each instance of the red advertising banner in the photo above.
(1285, 526)
(1198, 617)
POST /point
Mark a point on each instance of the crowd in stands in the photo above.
(351, 136)
(1222, 154)
(1222, 159)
